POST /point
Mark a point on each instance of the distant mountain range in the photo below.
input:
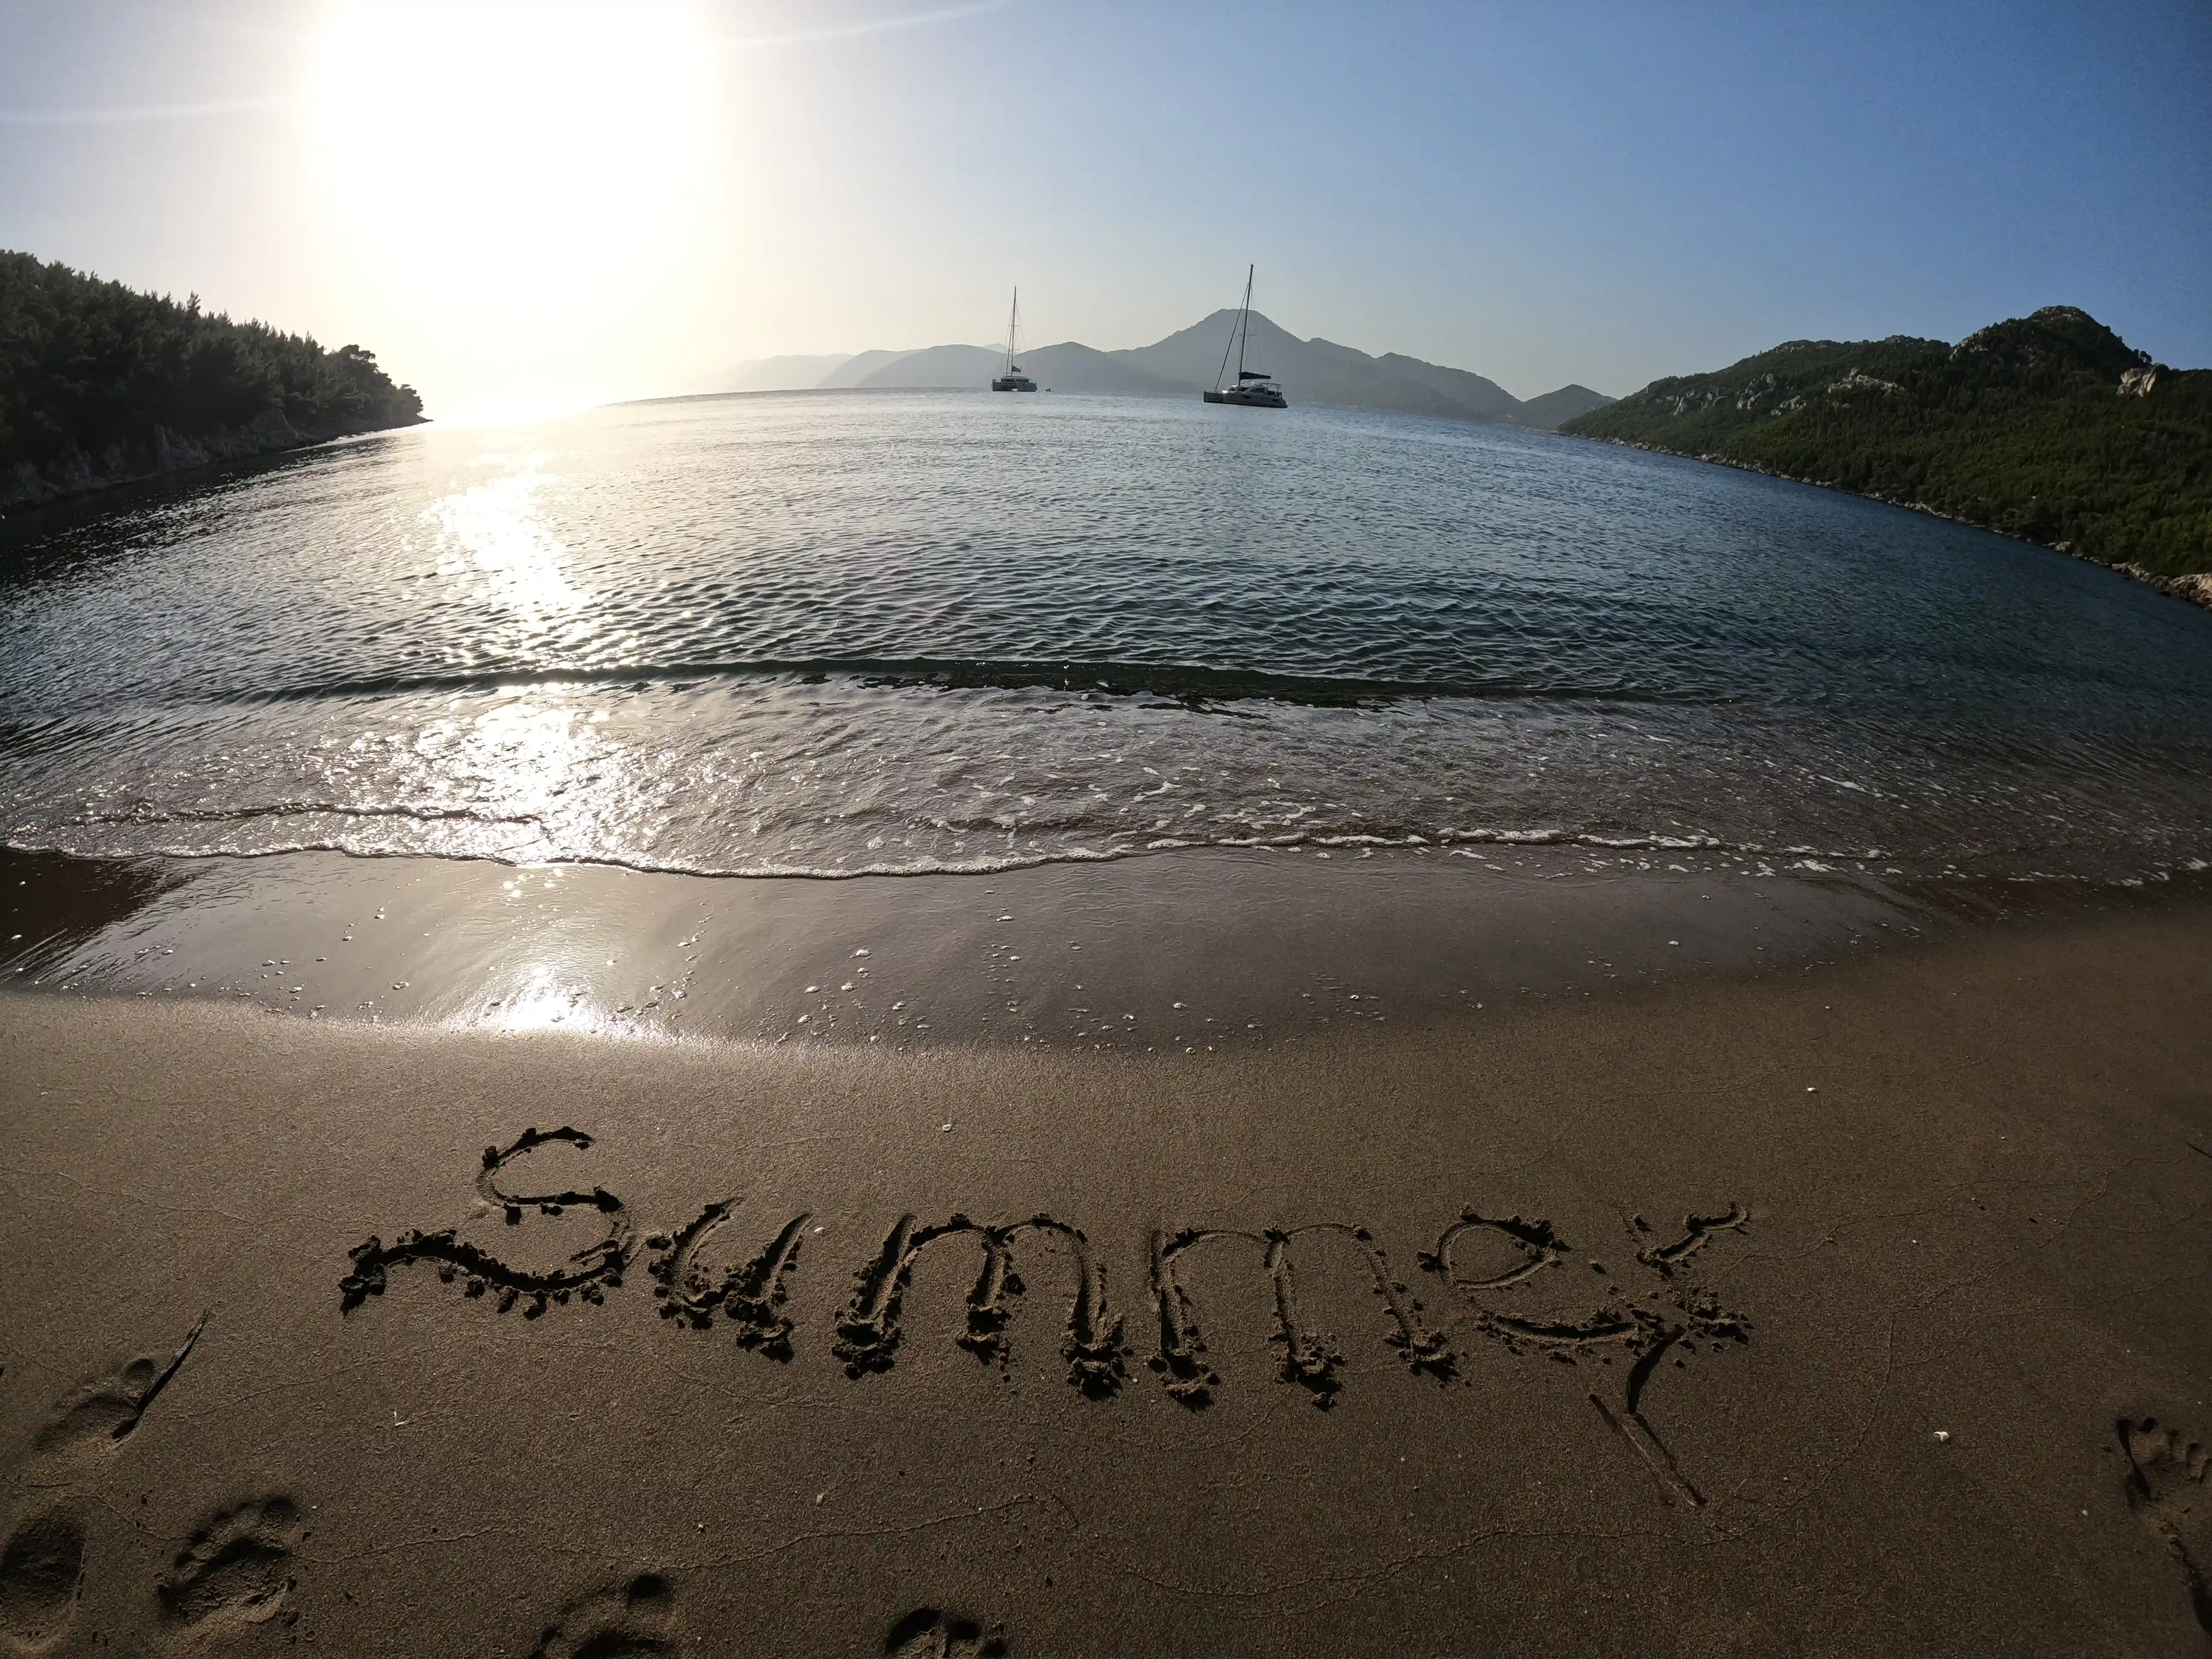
(1186, 363)
(2050, 428)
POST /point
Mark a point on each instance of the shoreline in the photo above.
(2195, 588)
(1855, 1274)
(170, 457)
(1185, 952)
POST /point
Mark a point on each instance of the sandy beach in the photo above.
(1849, 1310)
(1389, 833)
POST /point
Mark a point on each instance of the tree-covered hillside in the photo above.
(2047, 427)
(99, 384)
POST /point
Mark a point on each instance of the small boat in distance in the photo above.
(1012, 380)
(1252, 388)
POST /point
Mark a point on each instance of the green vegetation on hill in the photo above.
(99, 383)
(2048, 428)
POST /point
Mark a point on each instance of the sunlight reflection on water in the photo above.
(494, 529)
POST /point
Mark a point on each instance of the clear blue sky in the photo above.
(575, 200)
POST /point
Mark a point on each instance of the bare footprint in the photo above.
(933, 1633)
(635, 1618)
(106, 1410)
(2165, 1484)
(42, 1565)
(235, 1570)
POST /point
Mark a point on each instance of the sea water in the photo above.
(831, 634)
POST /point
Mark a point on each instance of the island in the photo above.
(2048, 428)
(102, 385)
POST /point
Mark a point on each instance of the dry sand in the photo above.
(1820, 1313)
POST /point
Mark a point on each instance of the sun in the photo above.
(509, 174)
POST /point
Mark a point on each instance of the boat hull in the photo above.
(1013, 383)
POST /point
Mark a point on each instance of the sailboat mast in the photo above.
(1244, 322)
(1014, 317)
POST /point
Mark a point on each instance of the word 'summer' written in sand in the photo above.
(1481, 1269)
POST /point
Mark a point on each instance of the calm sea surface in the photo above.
(832, 634)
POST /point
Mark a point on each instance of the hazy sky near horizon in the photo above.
(527, 204)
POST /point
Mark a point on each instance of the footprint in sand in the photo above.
(42, 1565)
(2166, 1485)
(931, 1634)
(234, 1570)
(635, 1618)
(105, 1411)
(42, 1560)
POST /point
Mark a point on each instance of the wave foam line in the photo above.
(1455, 840)
(144, 814)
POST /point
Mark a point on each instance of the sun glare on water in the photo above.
(517, 185)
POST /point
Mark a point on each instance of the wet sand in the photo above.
(1195, 951)
(1804, 1312)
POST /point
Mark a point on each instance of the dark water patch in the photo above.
(52, 906)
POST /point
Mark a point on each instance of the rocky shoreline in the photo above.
(2195, 588)
(167, 451)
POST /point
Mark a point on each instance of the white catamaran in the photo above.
(1252, 388)
(1012, 380)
